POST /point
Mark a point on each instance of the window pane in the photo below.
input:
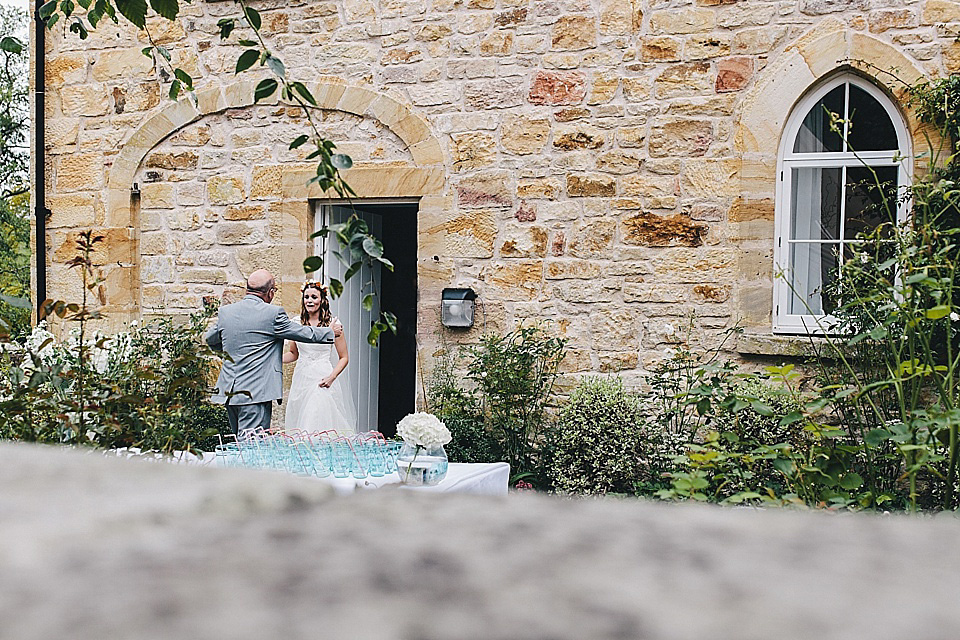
(815, 135)
(812, 265)
(815, 203)
(870, 127)
(871, 200)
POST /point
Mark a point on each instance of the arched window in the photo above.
(844, 157)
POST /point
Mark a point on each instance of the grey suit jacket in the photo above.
(252, 333)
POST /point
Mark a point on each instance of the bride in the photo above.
(317, 400)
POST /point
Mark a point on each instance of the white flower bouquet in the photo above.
(423, 429)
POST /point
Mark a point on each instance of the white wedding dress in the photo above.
(311, 407)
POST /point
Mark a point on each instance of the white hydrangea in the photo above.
(423, 429)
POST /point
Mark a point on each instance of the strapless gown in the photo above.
(314, 408)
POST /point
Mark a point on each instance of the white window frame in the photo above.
(787, 160)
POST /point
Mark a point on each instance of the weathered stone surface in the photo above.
(523, 241)
(163, 523)
(821, 7)
(660, 49)
(239, 233)
(580, 137)
(583, 185)
(684, 79)
(84, 100)
(680, 138)
(523, 135)
(886, 19)
(494, 94)
(745, 210)
(244, 212)
(733, 73)
(685, 20)
(266, 182)
(558, 87)
(69, 68)
(485, 190)
(80, 171)
(158, 195)
(615, 328)
(938, 11)
(652, 230)
(178, 160)
(472, 150)
(711, 293)
(225, 190)
(702, 47)
(549, 188)
(514, 280)
(574, 33)
(632, 137)
(592, 239)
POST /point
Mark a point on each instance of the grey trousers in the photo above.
(249, 417)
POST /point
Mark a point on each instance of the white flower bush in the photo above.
(423, 430)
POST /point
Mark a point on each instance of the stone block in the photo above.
(524, 135)
(567, 269)
(574, 33)
(185, 218)
(266, 182)
(886, 19)
(684, 79)
(589, 185)
(172, 160)
(203, 276)
(499, 42)
(558, 88)
(651, 292)
(225, 190)
(650, 230)
(660, 49)
(121, 64)
(471, 234)
(84, 100)
(472, 150)
(682, 21)
(511, 17)
(244, 212)
(80, 171)
(72, 210)
(62, 132)
(631, 137)
(619, 162)
(680, 138)
(711, 292)
(733, 73)
(540, 188)
(746, 210)
(588, 292)
(615, 362)
(603, 87)
(493, 188)
(66, 68)
(513, 280)
(757, 41)
(158, 195)
(239, 233)
(494, 94)
(702, 47)
(615, 328)
(523, 241)
(570, 138)
(619, 18)
(592, 239)
(637, 89)
(940, 11)
(711, 177)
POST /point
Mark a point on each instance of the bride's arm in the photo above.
(291, 354)
(341, 344)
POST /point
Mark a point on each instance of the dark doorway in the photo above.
(398, 295)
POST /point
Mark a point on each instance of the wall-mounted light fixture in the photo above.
(456, 307)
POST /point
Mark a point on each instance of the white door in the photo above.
(362, 381)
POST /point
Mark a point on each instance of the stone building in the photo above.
(620, 168)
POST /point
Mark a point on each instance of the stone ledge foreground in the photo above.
(96, 548)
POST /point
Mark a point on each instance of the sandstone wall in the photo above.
(607, 165)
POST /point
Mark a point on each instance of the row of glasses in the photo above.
(318, 453)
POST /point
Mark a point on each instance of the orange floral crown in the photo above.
(310, 284)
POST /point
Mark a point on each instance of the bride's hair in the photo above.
(324, 304)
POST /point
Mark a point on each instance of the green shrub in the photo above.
(598, 443)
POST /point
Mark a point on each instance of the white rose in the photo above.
(423, 429)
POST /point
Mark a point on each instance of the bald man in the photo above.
(251, 332)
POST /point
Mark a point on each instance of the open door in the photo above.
(380, 380)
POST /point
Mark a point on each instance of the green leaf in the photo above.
(790, 418)
(341, 161)
(937, 312)
(253, 17)
(336, 288)
(276, 65)
(184, 78)
(703, 406)
(77, 27)
(352, 270)
(227, 25)
(11, 44)
(391, 321)
(851, 481)
(372, 247)
(166, 8)
(53, 20)
(84, 3)
(174, 89)
(784, 466)
(147, 51)
(264, 89)
(247, 60)
(876, 437)
(313, 263)
(47, 9)
(133, 10)
(164, 52)
(300, 88)
(248, 43)
(367, 302)
(761, 408)
(373, 337)
(67, 7)
(299, 141)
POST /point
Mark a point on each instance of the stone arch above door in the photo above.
(419, 176)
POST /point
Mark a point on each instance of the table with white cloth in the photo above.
(490, 479)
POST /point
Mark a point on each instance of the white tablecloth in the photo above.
(490, 479)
